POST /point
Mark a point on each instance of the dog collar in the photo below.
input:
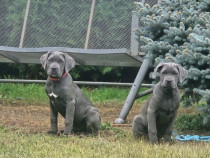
(56, 79)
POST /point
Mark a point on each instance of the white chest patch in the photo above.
(53, 95)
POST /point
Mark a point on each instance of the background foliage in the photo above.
(179, 31)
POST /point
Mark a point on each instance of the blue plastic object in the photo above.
(192, 138)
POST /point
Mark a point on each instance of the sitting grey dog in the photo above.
(157, 116)
(66, 98)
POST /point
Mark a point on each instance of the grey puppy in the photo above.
(157, 116)
(66, 98)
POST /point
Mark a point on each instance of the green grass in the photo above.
(34, 93)
(25, 92)
(16, 144)
(107, 94)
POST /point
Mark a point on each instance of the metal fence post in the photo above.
(134, 42)
(134, 90)
(24, 24)
(90, 23)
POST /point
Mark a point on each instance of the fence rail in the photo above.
(85, 83)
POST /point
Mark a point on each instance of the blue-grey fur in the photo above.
(66, 97)
(157, 116)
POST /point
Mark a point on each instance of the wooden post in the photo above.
(90, 24)
(24, 24)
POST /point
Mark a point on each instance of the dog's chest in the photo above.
(53, 96)
(168, 108)
(56, 97)
(169, 105)
(58, 103)
(53, 92)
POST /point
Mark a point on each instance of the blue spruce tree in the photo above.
(179, 31)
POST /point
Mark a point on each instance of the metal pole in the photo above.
(134, 42)
(90, 24)
(146, 92)
(24, 24)
(134, 90)
(86, 83)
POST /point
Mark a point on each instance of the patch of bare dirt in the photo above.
(36, 119)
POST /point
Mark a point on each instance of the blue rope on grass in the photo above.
(191, 138)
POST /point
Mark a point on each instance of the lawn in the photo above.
(24, 122)
(36, 93)
(108, 143)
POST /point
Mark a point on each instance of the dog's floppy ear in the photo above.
(157, 69)
(44, 58)
(182, 73)
(69, 62)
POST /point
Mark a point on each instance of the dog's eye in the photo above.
(164, 72)
(60, 61)
(50, 60)
(174, 73)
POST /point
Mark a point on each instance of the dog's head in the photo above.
(170, 74)
(57, 63)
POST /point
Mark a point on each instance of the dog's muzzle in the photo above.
(54, 71)
(169, 82)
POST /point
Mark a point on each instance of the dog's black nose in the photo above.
(54, 68)
(169, 82)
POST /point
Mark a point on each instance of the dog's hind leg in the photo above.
(138, 128)
(92, 120)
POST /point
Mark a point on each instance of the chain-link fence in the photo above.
(64, 23)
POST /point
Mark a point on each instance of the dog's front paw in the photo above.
(52, 132)
(153, 141)
(66, 133)
(167, 138)
(153, 138)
